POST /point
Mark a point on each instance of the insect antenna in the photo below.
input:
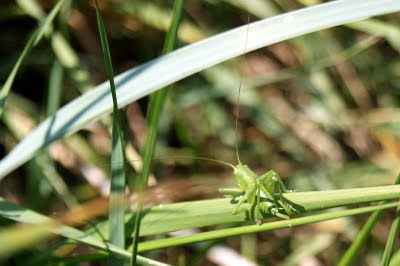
(185, 157)
(202, 158)
(239, 90)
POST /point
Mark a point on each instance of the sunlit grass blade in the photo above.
(155, 109)
(224, 233)
(118, 179)
(185, 62)
(33, 41)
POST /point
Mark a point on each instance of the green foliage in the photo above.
(318, 106)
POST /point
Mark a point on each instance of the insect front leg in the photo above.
(236, 209)
(234, 192)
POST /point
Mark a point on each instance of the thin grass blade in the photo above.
(118, 180)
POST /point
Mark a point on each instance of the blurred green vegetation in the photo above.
(320, 109)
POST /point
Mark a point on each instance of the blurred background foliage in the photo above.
(320, 109)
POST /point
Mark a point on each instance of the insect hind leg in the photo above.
(270, 183)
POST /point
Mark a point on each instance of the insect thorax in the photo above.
(245, 178)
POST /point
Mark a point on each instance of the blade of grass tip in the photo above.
(155, 107)
(356, 244)
(118, 180)
(33, 40)
(236, 231)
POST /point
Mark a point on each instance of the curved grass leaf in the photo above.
(184, 62)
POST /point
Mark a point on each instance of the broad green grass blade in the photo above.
(118, 180)
(155, 109)
(45, 227)
(193, 214)
(358, 242)
(184, 62)
(176, 241)
(180, 216)
(33, 41)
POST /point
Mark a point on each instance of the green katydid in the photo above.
(267, 188)
(251, 186)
